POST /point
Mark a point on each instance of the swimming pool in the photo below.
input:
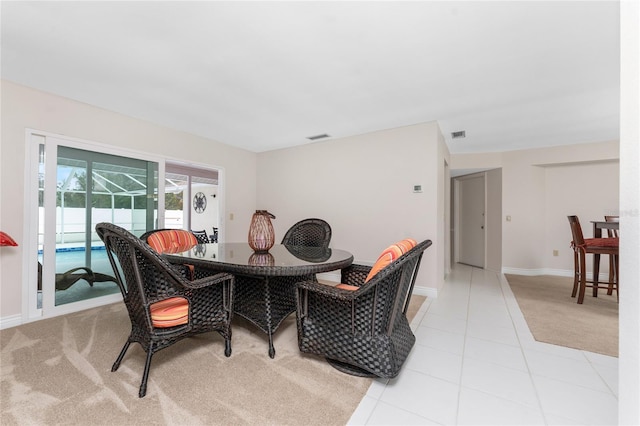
(73, 257)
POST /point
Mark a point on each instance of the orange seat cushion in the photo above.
(347, 287)
(170, 312)
(172, 241)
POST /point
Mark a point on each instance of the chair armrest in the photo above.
(335, 307)
(328, 290)
(207, 281)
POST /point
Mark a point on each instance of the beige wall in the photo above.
(24, 108)
(363, 186)
(357, 183)
(540, 188)
(588, 190)
(494, 219)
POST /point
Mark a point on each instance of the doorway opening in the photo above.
(469, 216)
(470, 211)
(192, 199)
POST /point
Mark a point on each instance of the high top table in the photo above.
(265, 282)
(598, 226)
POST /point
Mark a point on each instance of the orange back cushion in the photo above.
(170, 312)
(406, 244)
(390, 254)
(172, 241)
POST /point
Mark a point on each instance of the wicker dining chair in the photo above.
(173, 241)
(308, 233)
(169, 240)
(360, 326)
(201, 236)
(164, 307)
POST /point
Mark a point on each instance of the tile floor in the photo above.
(475, 362)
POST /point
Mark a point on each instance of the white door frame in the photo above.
(34, 138)
(457, 217)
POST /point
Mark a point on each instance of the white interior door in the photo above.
(471, 220)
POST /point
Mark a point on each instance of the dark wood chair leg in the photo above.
(617, 276)
(612, 273)
(576, 274)
(583, 277)
(596, 273)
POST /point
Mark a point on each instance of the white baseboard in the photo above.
(10, 321)
(549, 271)
(333, 276)
(15, 320)
(541, 271)
(430, 292)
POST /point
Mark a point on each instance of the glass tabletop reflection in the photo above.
(279, 260)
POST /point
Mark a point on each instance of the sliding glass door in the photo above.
(76, 184)
(77, 189)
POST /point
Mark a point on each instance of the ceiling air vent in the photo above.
(458, 135)
(316, 137)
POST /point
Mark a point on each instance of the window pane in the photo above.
(117, 191)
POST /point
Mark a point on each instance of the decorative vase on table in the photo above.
(261, 234)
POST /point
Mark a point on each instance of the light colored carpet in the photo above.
(58, 371)
(554, 316)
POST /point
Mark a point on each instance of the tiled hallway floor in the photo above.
(476, 363)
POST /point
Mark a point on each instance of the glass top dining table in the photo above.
(265, 283)
(598, 226)
(280, 260)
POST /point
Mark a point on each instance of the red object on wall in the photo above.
(6, 240)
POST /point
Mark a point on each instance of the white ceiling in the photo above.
(266, 75)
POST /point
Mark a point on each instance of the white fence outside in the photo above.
(71, 222)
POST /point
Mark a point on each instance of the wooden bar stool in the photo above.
(613, 259)
(582, 247)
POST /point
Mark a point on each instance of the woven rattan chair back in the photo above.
(363, 332)
(308, 233)
(145, 277)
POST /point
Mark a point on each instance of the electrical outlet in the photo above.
(555, 252)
